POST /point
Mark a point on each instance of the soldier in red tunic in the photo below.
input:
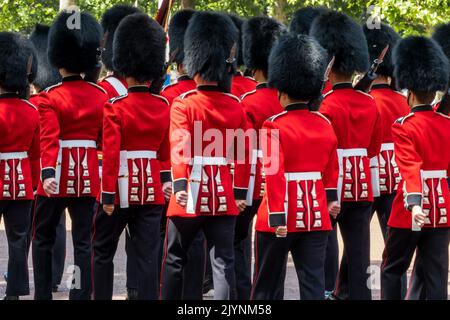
(300, 186)
(258, 34)
(135, 138)
(19, 156)
(356, 122)
(204, 194)
(420, 213)
(71, 122)
(46, 77)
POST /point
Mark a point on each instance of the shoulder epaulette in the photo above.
(400, 93)
(97, 86)
(52, 87)
(250, 78)
(30, 104)
(317, 113)
(327, 94)
(364, 93)
(443, 115)
(273, 118)
(247, 94)
(161, 97)
(402, 119)
(113, 100)
(232, 96)
(168, 86)
(184, 95)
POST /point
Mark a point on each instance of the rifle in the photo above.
(226, 83)
(365, 83)
(94, 74)
(444, 105)
(26, 93)
(314, 104)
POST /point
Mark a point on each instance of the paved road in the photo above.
(291, 288)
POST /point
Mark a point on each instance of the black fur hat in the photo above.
(139, 48)
(442, 36)
(110, 21)
(47, 75)
(303, 19)
(420, 65)
(297, 66)
(207, 45)
(342, 37)
(74, 47)
(177, 28)
(238, 22)
(259, 35)
(377, 39)
(15, 52)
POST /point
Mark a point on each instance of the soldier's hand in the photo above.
(418, 216)
(50, 186)
(181, 197)
(281, 232)
(167, 190)
(108, 208)
(241, 205)
(334, 208)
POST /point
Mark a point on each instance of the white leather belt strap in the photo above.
(302, 176)
(117, 85)
(141, 154)
(13, 155)
(375, 176)
(78, 144)
(387, 147)
(251, 182)
(434, 174)
(345, 153)
(196, 176)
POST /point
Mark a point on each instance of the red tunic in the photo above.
(114, 86)
(241, 85)
(357, 124)
(259, 105)
(71, 116)
(327, 88)
(19, 148)
(423, 157)
(306, 179)
(183, 85)
(391, 106)
(200, 145)
(135, 138)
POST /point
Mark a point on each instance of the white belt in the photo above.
(251, 183)
(387, 147)
(196, 176)
(13, 155)
(302, 176)
(123, 182)
(434, 174)
(78, 144)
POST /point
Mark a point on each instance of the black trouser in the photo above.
(130, 250)
(46, 219)
(16, 215)
(432, 246)
(416, 290)
(143, 224)
(354, 224)
(331, 260)
(59, 249)
(308, 253)
(243, 258)
(181, 232)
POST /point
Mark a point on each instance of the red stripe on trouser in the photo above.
(93, 252)
(164, 259)
(255, 276)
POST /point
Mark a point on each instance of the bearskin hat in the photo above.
(344, 39)
(177, 28)
(377, 39)
(238, 22)
(47, 75)
(303, 19)
(442, 36)
(74, 41)
(207, 45)
(15, 53)
(110, 21)
(139, 48)
(420, 65)
(297, 66)
(259, 35)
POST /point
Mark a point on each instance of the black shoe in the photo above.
(11, 298)
(132, 294)
(55, 288)
(208, 285)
